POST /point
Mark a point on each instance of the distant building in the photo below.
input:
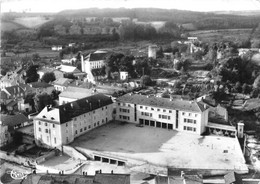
(123, 75)
(68, 69)
(94, 60)
(56, 126)
(152, 51)
(8, 124)
(11, 93)
(41, 87)
(56, 48)
(61, 84)
(11, 78)
(181, 115)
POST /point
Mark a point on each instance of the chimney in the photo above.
(205, 106)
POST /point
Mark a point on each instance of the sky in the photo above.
(193, 5)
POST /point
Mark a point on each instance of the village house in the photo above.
(56, 126)
(41, 87)
(11, 94)
(61, 84)
(94, 60)
(11, 78)
(8, 124)
(56, 47)
(181, 115)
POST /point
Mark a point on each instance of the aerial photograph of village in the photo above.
(130, 92)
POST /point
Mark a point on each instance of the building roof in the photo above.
(112, 178)
(220, 126)
(76, 108)
(76, 92)
(232, 177)
(40, 85)
(13, 90)
(62, 81)
(77, 179)
(68, 69)
(12, 120)
(97, 56)
(163, 102)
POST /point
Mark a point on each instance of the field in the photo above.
(222, 34)
(31, 22)
(9, 26)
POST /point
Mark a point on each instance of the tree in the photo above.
(31, 74)
(48, 77)
(146, 80)
(41, 100)
(36, 57)
(256, 84)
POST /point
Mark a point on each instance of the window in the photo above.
(194, 129)
(196, 115)
(164, 110)
(93, 112)
(53, 125)
(189, 114)
(46, 124)
(183, 113)
(129, 105)
(66, 124)
(102, 108)
(85, 128)
(169, 117)
(118, 103)
(146, 108)
(76, 132)
(94, 124)
(106, 107)
(189, 121)
(55, 140)
(141, 107)
(75, 119)
(170, 111)
(40, 129)
(39, 123)
(46, 130)
(163, 116)
(152, 109)
(89, 127)
(81, 130)
(158, 110)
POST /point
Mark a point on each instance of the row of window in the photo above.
(146, 114)
(188, 114)
(124, 110)
(124, 117)
(153, 109)
(123, 104)
(187, 128)
(46, 124)
(48, 139)
(161, 116)
(190, 121)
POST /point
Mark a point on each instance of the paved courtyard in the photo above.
(167, 148)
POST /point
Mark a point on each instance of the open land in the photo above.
(164, 148)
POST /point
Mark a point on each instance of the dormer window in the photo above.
(44, 116)
(52, 118)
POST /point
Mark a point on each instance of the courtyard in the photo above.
(166, 148)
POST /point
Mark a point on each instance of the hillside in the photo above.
(201, 20)
(10, 26)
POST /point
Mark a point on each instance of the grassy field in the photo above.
(31, 22)
(10, 26)
(223, 34)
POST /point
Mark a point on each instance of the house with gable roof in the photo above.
(56, 126)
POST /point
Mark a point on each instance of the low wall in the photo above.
(72, 152)
(45, 157)
(11, 157)
(44, 169)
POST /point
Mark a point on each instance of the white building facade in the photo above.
(54, 127)
(164, 113)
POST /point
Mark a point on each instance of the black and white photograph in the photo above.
(130, 92)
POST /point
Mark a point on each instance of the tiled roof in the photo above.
(68, 69)
(163, 102)
(14, 90)
(40, 85)
(97, 56)
(62, 81)
(112, 178)
(14, 119)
